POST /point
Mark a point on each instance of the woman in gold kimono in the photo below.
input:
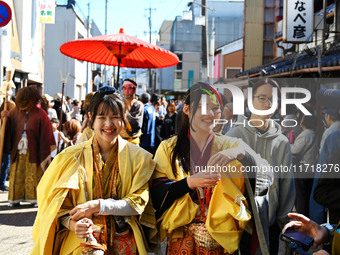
(200, 208)
(95, 195)
(29, 139)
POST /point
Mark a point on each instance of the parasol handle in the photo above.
(119, 60)
(116, 83)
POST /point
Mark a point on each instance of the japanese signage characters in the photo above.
(298, 20)
(47, 11)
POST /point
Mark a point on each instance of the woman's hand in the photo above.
(203, 179)
(222, 158)
(321, 252)
(85, 210)
(63, 137)
(82, 228)
(308, 227)
(4, 114)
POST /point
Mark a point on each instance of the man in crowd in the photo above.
(149, 124)
(134, 113)
(332, 120)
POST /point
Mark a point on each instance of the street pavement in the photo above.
(15, 227)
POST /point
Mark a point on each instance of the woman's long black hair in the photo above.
(109, 101)
(181, 151)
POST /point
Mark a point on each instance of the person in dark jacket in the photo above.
(305, 151)
(169, 123)
(327, 191)
(156, 102)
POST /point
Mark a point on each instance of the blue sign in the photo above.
(190, 78)
(5, 14)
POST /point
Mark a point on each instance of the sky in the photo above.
(132, 15)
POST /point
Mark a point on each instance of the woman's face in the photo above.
(171, 109)
(227, 113)
(156, 107)
(107, 126)
(203, 122)
(263, 97)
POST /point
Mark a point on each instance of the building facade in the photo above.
(69, 25)
(228, 60)
(186, 40)
(22, 45)
(319, 57)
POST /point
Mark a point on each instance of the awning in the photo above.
(298, 63)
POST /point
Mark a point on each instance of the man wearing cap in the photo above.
(134, 113)
(332, 119)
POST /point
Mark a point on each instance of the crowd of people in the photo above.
(120, 173)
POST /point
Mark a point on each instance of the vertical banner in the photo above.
(190, 78)
(47, 11)
(298, 21)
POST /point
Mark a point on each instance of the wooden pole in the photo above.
(63, 80)
(8, 83)
(61, 115)
(3, 129)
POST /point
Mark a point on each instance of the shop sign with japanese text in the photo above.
(298, 21)
(47, 11)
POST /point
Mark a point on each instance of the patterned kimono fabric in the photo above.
(107, 184)
(25, 176)
(89, 133)
(190, 243)
(24, 179)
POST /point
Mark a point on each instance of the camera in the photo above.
(297, 241)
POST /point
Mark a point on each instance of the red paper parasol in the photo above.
(120, 50)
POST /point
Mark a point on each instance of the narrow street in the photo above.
(16, 227)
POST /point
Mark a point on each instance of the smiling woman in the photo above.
(107, 120)
(197, 211)
(100, 189)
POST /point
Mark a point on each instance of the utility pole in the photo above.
(205, 56)
(324, 27)
(207, 53)
(105, 81)
(150, 32)
(212, 48)
(88, 35)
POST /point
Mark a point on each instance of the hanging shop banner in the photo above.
(47, 11)
(298, 21)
